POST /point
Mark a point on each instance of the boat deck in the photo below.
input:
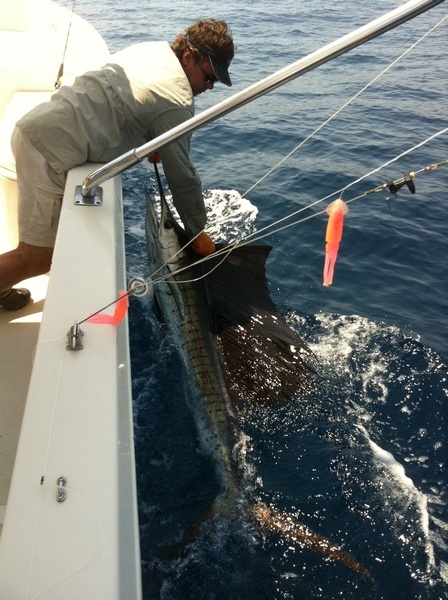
(18, 339)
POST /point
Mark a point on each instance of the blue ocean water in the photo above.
(362, 460)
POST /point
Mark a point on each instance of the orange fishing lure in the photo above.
(333, 236)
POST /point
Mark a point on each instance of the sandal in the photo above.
(15, 298)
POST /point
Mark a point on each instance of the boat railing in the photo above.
(373, 29)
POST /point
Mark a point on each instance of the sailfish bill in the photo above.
(290, 528)
(236, 348)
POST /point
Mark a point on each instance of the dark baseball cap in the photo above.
(220, 65)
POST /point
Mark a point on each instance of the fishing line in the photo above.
(334, 115)
(173, 256)
(339, 192)
(224, 252)
(266, 231)
(431, 137)
(271, 228)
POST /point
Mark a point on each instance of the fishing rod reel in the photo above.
(395, 186)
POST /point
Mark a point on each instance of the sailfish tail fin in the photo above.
(290, 528)
(223, 504)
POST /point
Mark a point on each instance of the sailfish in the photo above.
(236, 348)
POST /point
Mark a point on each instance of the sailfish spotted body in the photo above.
(237, 348)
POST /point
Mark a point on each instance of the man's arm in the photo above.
(183, 179)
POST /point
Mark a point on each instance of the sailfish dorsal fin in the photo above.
(265, 360)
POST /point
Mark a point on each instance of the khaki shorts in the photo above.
(40, 189)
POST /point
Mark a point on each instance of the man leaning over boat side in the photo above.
(142, 92)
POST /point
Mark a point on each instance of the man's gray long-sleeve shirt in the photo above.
(141, 93)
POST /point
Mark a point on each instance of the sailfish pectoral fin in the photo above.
(288, 527)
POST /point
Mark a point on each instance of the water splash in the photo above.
(394, 481)
(230, 216)
(391, 391)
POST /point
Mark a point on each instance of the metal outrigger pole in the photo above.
(340, 46)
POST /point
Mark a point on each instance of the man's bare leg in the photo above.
(23, 262)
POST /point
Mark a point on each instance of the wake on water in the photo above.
(374, 387)
(384, 383)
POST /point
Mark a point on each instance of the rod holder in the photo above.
(74, 336)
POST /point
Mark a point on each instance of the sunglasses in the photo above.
(205, 51)
(208, 78)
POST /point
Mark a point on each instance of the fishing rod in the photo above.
(375, 28)
(58, 83)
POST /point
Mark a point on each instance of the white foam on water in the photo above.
(355, 343)
(230, 217)
(395, 472)
(388, 460)
(361, 351)
(347, 339)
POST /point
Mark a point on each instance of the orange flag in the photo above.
(119, 313)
